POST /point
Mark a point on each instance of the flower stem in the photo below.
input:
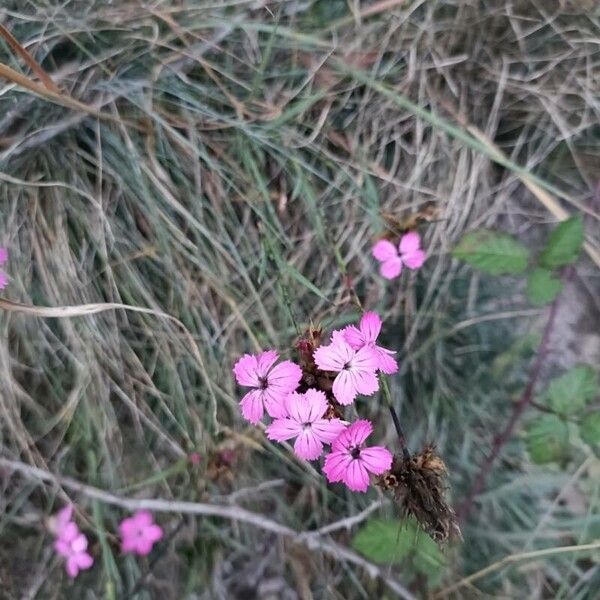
(388, 400)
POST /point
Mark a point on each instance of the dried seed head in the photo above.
(420, 489)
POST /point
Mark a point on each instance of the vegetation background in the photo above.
(228, 163)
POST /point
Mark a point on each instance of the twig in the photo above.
(515, 558)
(525, 401)
(312, 540)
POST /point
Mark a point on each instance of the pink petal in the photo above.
(387, 362)
(274, 402)
(384, 250)
(153, 533)
(333, 357)
(72, 567)
(327, 430)
(143, 547)
(414, 260)
(62, 518)
(317, 405)
(285, 377)
(410, 242)
(252, 406)
(69, 533)
(338, 336)
(83, 560)
(3, 255)
(344, 388)
(376, 459)
(365, 382)
(265, 360)
(370, 326)
(391, 268)
(143, 518)
(127, 527)
(356, 477)
(336, 464)
(79, 544)
(129, 544)
(343, 442)
(281, 430)
(3, 279)
(63, 548)
(365, 359)
(359, 431)
(307, 445)
(354, 337)
(245, 371)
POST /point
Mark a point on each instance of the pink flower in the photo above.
(72, 544)
(366, 335)
(350, 462)
(271, 384)
(3, 275)
(305, 422)
(60, 521)
(355, 368)
(408, 253)
(139, 533)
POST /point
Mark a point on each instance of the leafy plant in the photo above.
(501, 254)
(392, 542)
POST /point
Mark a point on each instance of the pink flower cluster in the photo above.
(70, 543)
(3, 275)
(306, 413)
(408, 252)
(138, 534)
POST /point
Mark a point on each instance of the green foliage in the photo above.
(571, 392)
(492, 252)
(547, 439)
(542, 286)
(564, 243)
(590, 429)
(394, 542)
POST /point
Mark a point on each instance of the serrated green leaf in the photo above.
(542, 287)
(393, 542)
(572, 391)
(590, 429)
(492, 252)
(564, 243)
(547, 439)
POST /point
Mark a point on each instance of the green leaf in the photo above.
(564, 243)
(547, 439)
(494, 253)
(572, 391)
(542, 287)
(393, 542)
(590, 429)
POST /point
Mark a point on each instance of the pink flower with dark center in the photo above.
(72, 545)
(366, 335)
(271, 384)
(350, 462)
(355, 369)
(305, 422)
(139, 533)
(3, 275)
(392, 258)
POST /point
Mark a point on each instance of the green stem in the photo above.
(388, 400)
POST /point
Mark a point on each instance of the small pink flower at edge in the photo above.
(139, 533)
(355, 369)
(366, 335)
(407, 253)
(271, 384)
(60, 521)
(305, 422)
(72, 545)
(350, 462)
